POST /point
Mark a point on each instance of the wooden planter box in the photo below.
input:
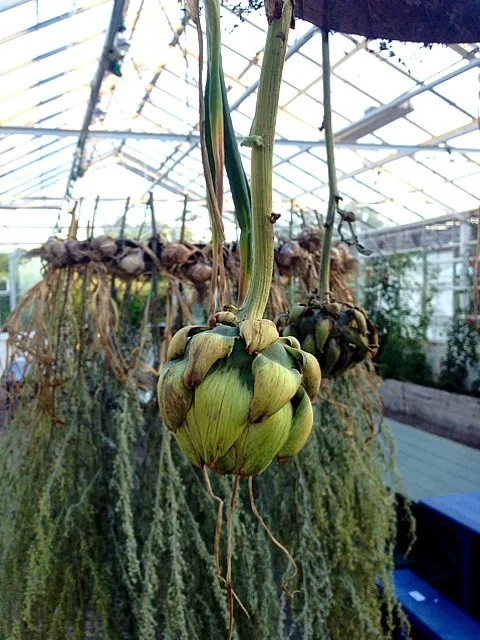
(450, 415)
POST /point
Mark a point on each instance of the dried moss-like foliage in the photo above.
(106, 530)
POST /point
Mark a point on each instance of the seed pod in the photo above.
(258, 334)
(331, 355)
(300, 429)
(237, 397)
(339, 335)
(308, 344)
(296, 312)
(322, 331)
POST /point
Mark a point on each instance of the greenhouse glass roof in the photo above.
(405, 116)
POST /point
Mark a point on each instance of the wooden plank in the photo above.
(450, 415)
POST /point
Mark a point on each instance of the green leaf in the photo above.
(239, 187)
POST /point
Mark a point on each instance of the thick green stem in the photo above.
(261, 139)
(324, 281)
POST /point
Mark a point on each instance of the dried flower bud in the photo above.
(238, 397)
(338, 335)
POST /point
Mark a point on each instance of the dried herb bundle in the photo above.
(106, 530)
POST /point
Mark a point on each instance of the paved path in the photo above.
(431, 465)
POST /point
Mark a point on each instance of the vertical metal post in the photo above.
(184, 217)
(464, 254)
(12, 261)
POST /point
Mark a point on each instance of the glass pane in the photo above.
(435, 115)
(377, 78)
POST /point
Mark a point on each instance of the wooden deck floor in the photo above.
(431, 465)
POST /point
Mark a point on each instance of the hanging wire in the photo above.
(348, 218)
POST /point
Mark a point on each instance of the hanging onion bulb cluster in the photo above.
(236, 395)
(339, 335)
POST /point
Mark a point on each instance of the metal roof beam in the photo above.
(21, 207)
(405, 97)
(443, 139)
(408, 95)
(295, 48)
(11, 4)
(115, 21)
(49, 183)
(51, 21)
(31, 139)
(407, 74)
(44, 81)
(421, 223)
(128, 161)
(195, 139)
(35, 180)
(472, 126)
(176, 190)
(48, 100)
(24, 155)
(32, 162)
(53, 52)
(153, 83)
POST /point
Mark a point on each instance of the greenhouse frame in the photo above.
(239, 320)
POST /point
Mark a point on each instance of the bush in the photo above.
(402, 325)
(460, 356)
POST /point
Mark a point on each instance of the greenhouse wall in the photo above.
(442, 254)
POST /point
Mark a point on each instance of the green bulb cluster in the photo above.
(339, 335)
(238, 396)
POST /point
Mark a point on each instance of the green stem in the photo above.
(213, 94)
(242, 200)
(216, 221)
(261, 138)
(324, 281)
(292, 278)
